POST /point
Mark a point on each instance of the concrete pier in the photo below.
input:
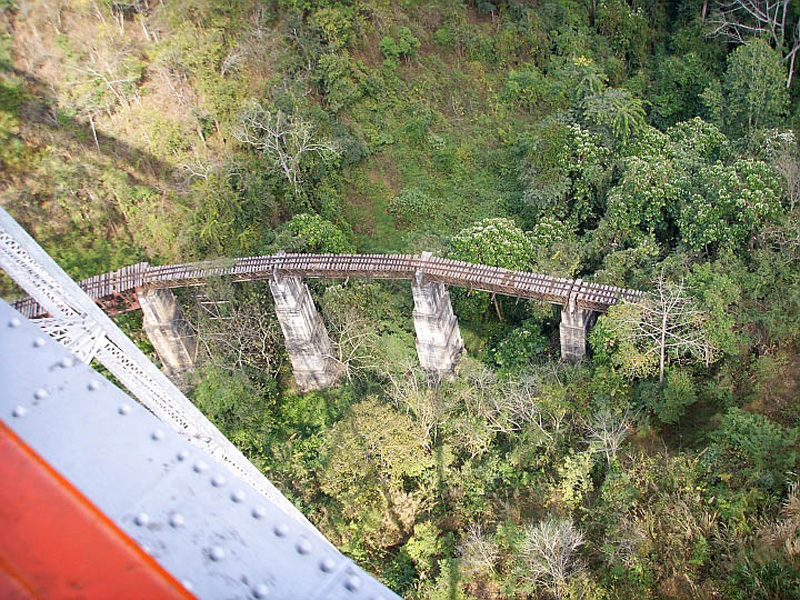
(575, 324)
(307, 340)
(438, 336)
(169, 333)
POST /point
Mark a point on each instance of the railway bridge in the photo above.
(438, 338)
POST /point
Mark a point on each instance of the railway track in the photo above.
(116, 290)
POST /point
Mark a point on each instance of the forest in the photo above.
(647, 144)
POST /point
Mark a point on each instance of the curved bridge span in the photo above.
(119, 287)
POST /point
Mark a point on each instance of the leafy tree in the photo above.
(371, 455)
(730, 205)
(749, 21)
(755, 96)
(626, 28)
(617, 112)
(311, 233)
(565, 172)
(678, 83)
(497, 242)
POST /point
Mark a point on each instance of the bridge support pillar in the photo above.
(307, 340)
(575, 324)
(169, 333)
(438, 336)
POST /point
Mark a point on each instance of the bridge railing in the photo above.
(520, 284)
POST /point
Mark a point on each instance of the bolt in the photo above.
(67, 362)
(303, 546)
(238, 496)
(157, 435)
(259, 512)
(15, 322)
(353, 583)
(182, 455)
(93, 385)
(199, 467)
(260, 591)
(19, 411)
(217, 553)
(281, 529)
(38, 342)
(141, 519)
(187, 584)
(327, 565)
(41, 394)
(176, 520)
(124, 409)
(217, 481)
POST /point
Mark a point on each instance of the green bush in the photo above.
(404, 45)
(412, 204)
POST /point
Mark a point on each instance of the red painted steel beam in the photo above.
(54, 543)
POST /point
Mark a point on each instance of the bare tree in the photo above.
(665, 324)
(550, 550)
(411, 391)
(353, 342)
(284, 140)
(479, 553)
(607, 430)
(743, 20)
(237, 332)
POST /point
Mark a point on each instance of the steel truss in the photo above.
(81, 326)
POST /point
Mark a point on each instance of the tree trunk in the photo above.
(663, 348)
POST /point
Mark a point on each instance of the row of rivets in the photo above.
(216, 553)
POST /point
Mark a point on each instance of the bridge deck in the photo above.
(520, 284)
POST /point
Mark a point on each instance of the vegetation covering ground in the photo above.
(647, 144)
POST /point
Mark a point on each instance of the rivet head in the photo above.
(238, 496)
(141, 519)
(217, 481)
(38, 342)
(187, 584)
(303, 546)
(41, 394)
(327, 565)
(67, 362)
(176, 520)
(200, 466)
(19, 411)
(259, 512)
(15, 322)
(217, 553)
(182, 455)
(353, 583)
(157, 435)
(281, 529)
(124, 409)
(260, 591)
(93, 385)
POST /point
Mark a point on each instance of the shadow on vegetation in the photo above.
(41, 108)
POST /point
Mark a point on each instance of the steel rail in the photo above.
(476, 277)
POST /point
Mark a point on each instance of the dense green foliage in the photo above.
(619, 141)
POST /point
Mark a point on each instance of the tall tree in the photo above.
(742, 21)
(287, 141)
(664, 326)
